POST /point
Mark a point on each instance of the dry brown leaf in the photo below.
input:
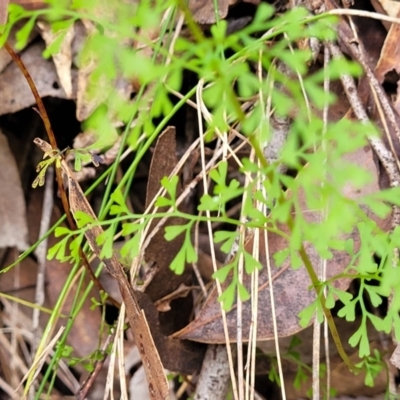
(14, 228)
(390, 7)
(160, 251)
(176, 355)
(291, 291)
(163, 162)
(86, 103)
(63, 58)
(14, 90)
(390, 53)
(203, 10)
(389, 60)
(291, 287)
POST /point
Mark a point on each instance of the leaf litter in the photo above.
(292, 286)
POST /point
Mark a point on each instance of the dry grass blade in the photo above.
(40, 360)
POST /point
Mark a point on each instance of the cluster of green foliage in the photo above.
(232, 79)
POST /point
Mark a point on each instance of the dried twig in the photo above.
(158, 384)
(88, 383)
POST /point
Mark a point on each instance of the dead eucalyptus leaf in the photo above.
(91, 94)
(84, 104)
(177, 355)
(389, 60)
(163, 161)
(391, 7)
(292, 287)
(63, 58)
(292, 293)
(160, 251)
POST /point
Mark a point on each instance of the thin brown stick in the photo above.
(46, 121)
